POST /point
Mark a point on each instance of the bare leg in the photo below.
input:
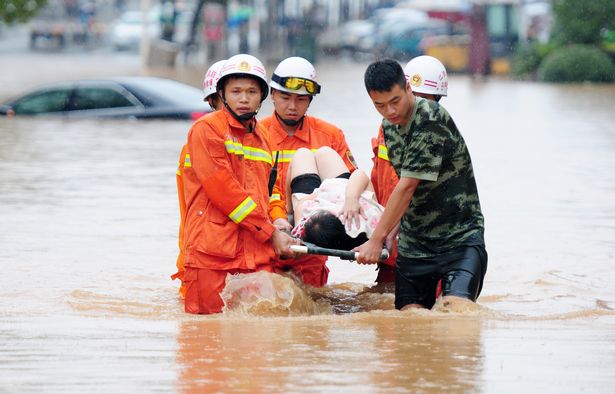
(329, 163)
(304, 162)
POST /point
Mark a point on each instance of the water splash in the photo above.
(266, 294)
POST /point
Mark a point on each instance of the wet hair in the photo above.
(382, 75)
(326, 230)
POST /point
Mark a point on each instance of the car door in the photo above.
(104, 99)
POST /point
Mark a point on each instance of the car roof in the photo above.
(161, 89)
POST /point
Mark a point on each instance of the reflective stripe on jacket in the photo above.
(228, 223)
(384, 178)
(184, 161)
(314, 133)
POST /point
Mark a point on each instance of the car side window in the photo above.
(98, 98)
(49, 101)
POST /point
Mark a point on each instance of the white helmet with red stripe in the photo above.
(244, 65)
(211, 78)
(427, 75)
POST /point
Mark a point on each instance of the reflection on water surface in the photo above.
(89, 226)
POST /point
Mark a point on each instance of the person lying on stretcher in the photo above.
(331, 208)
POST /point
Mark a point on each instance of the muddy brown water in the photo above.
(88, 230)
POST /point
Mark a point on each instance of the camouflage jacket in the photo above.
(445, 210)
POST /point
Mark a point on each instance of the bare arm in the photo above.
(351, 212)
(399, 201)
(357, 183)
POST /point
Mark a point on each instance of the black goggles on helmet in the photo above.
(295, 83)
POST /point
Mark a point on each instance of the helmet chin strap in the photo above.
(244, 117)
(289, 122)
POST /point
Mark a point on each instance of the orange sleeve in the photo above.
(341, 147)
(212, 166)
(277, 201)
(182, 220)
(383, 175)
(277, 204)
(180, 193)
(374, 174)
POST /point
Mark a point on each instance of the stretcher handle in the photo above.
(342, 254)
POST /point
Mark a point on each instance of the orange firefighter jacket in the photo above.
(182, 219)
(225, 185)
(384, 178)
(313, 133)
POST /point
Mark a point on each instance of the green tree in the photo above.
(581, 21)
(577, 63)
(19, 10)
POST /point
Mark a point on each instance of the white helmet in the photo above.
(247, 65)
(211, 78)
(427, 75)
(295, 75)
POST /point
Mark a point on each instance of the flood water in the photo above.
(88, 240)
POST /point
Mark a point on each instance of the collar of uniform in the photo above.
(404, 129)
(302, 132)
(235, 124)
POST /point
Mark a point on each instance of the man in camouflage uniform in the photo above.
(441, 232)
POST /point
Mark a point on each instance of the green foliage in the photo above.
(577, 63)
(19, 10)
(527, 58)
(580, 21)
(608, 41)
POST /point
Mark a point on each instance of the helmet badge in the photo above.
(244, 66)
(416, 80)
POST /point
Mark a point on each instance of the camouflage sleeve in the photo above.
(423, 156)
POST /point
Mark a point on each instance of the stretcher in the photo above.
(308, 248)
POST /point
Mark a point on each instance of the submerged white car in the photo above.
(127, 32)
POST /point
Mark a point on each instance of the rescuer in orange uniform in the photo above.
(293, 87)
(227, 190)
(209, 89)
(428, 79)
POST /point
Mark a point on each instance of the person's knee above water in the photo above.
(294, 85)
(229, 225)
(436, 199)
(333, 208)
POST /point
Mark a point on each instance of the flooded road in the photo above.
(88, 240)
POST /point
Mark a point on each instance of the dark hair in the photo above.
(326, 230)
(381, 75)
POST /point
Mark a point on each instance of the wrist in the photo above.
(353, 196)
(379, 238)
